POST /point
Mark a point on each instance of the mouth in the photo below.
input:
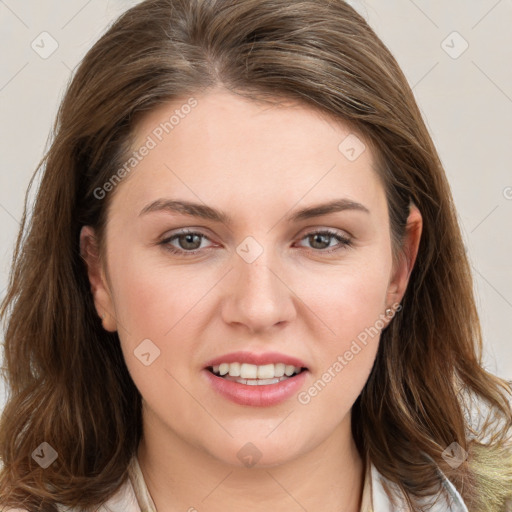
(256, 385)
(256, 375)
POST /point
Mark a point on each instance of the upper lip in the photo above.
(256, 359)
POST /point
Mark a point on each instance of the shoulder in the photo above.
(388, 497)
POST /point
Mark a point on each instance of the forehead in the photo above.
(221, 145)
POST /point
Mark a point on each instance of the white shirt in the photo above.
(133, 495)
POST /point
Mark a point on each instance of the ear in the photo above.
(89, 251)
(407, 257)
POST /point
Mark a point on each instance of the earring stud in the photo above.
(389, 312)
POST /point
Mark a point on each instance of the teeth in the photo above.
(279, 369)
(251, 371)
(289, 370)
(248, 371)
(255, 382)
(234, 369)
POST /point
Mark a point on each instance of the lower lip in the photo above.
(258, 396)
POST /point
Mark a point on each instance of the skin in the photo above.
(257, 163)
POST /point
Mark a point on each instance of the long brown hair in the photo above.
(67, 379)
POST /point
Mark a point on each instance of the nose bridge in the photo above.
(259, 279)
(258, 296)
(256, 280)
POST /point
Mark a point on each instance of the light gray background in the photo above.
(466, 99)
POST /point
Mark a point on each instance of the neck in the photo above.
(183, 477)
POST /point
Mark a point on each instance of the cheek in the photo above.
(351, 305)
(153, 299)
(348, 299)
(157, 311)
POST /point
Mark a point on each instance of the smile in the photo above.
(256, 391)
(255, 375)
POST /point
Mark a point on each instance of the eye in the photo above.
(320, 240)
(189, 242)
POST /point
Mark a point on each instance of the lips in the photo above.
(256, 390)
(265, 395)
(256, 359)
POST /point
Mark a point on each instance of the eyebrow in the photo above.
(207, 212)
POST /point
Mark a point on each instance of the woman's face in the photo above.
(256, 276)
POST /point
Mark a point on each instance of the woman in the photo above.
(243, 282)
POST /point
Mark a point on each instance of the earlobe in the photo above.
(407, 256)
(89, 251)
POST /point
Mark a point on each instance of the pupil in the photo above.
(188, 240)
(317, 236)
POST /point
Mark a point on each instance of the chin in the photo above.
(257, 451)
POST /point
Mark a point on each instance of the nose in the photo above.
(258, 295)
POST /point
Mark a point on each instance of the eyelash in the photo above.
(344, 242)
